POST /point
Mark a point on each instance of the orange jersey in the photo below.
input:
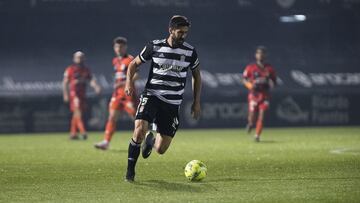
(78, 77)
(121, 101)
(260, 77)
(121, 66)
(258, 97)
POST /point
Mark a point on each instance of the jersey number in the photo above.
(143, 101)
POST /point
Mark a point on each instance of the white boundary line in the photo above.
(344, 151)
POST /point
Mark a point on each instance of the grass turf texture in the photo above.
(289, 165)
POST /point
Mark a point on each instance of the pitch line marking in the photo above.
(344, 151)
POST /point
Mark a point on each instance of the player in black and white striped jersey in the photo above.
(171, 59)
(169, 68)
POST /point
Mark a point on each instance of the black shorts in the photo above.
(164, 115)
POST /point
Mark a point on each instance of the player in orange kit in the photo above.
(259, 78)
(76, 78)
(119, 100)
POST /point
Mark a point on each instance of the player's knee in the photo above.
(139, 134)
(260, 119)
(112, 118)
(161, 150)
(77, 113)
(161, 147)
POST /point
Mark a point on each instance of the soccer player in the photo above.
(259, 78)
(171, 58)
(76, 78)
(119, 100)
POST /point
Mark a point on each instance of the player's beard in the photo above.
(178, 42)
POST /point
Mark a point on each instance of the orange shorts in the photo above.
(258, 101)
(122, 102)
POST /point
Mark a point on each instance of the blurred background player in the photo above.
(76, 78)
(259, 78)
(119, 100)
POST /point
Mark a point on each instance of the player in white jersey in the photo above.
(171, 59)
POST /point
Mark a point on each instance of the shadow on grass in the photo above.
(196, 187)
(279, 179)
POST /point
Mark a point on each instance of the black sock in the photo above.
(133, 155)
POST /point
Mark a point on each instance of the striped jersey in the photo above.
(169, 66)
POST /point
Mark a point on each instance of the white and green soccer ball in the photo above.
(195, 170)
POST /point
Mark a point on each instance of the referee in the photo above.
(171, 58)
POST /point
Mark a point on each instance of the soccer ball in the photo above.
(195, 170)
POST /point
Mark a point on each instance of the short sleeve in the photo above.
(247, 72)
(194, 60)
(147, 52)
(67, 73)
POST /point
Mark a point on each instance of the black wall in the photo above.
(319, 57)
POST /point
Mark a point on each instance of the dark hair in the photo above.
(120, 40)
(261, 48)
(178, 21)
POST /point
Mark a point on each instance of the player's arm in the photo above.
(247, 83)
(272, 79)
(196, 86)
(136, 76)
(95, 85)
(122, 83)
(65, 85)
(131, 75)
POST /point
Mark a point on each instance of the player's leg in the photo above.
(110, 129)
(167, 121)
(73, 127)
(162, 143)
(250, 124)
(79, 106)
(141, 127)
(80, 123)
(252, 107)
(260, 119)
(145, 114)
(116, 105)
(111, 124)
(129, 108)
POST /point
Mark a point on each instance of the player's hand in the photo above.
(196, 110)
(66, 98)
(129, 89)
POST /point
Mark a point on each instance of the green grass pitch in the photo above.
(290, 165)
